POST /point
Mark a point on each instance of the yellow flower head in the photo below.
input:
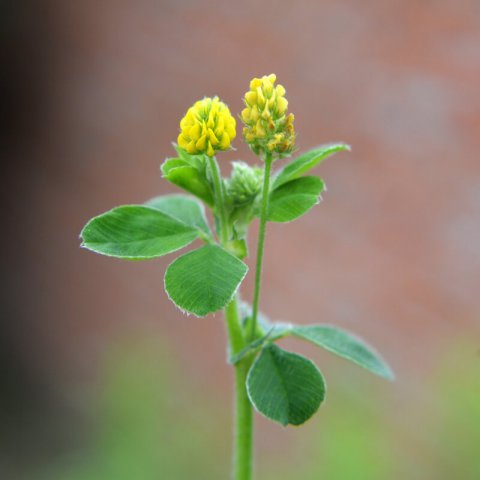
(207, 127)
(268, 128)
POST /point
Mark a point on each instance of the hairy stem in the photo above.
(261, 242)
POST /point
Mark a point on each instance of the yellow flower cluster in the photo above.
(268, 128)
(207, 127)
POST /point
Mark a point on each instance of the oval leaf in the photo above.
(284, 386)
(136, 232)
(305, 162)
(183, 208)
(345, 345)
(171, 163)
(190, 179)
(294, 199)
(204, 280)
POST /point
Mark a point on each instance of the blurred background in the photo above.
(101, 377)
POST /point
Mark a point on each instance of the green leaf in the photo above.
(183, 208)
(204, 280)
(191, 180)
(284, 386)
(171, 163)
(136, 232)
(190, 175)
(305, 162)
(295, 198)
(345, 345)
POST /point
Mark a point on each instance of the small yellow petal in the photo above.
(280, 90)
(213, 139)
(255, 83)
(254, 114)
(220, 127)
(191, 147)
(266, 113)
(201, 143)
(204, 128)
(230, 129)
(225, 141)
(210, 150)
(290, 120)
(267, 86)
(273, 100)
(182, 142)
(194, 132)
(251, 98)
(211, 120)
(282, 104)
(260, 98)
(260, 130)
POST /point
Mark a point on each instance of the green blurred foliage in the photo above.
(155, 423)
(348, 440)
(456, 435)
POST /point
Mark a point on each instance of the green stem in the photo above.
(243, 438)
(243, 459)
(219, 199)
(235, 332)
(261, 242)
(243, 433)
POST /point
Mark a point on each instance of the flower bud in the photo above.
(268, 128)
(244, 183)
(207, 127)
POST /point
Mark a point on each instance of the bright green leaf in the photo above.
(346, 345)
(284, 386)
(204, 280)
(183, 208)
(188, 177)
(294, 198)
(305, 162)
(136, 232)
(171, 163)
